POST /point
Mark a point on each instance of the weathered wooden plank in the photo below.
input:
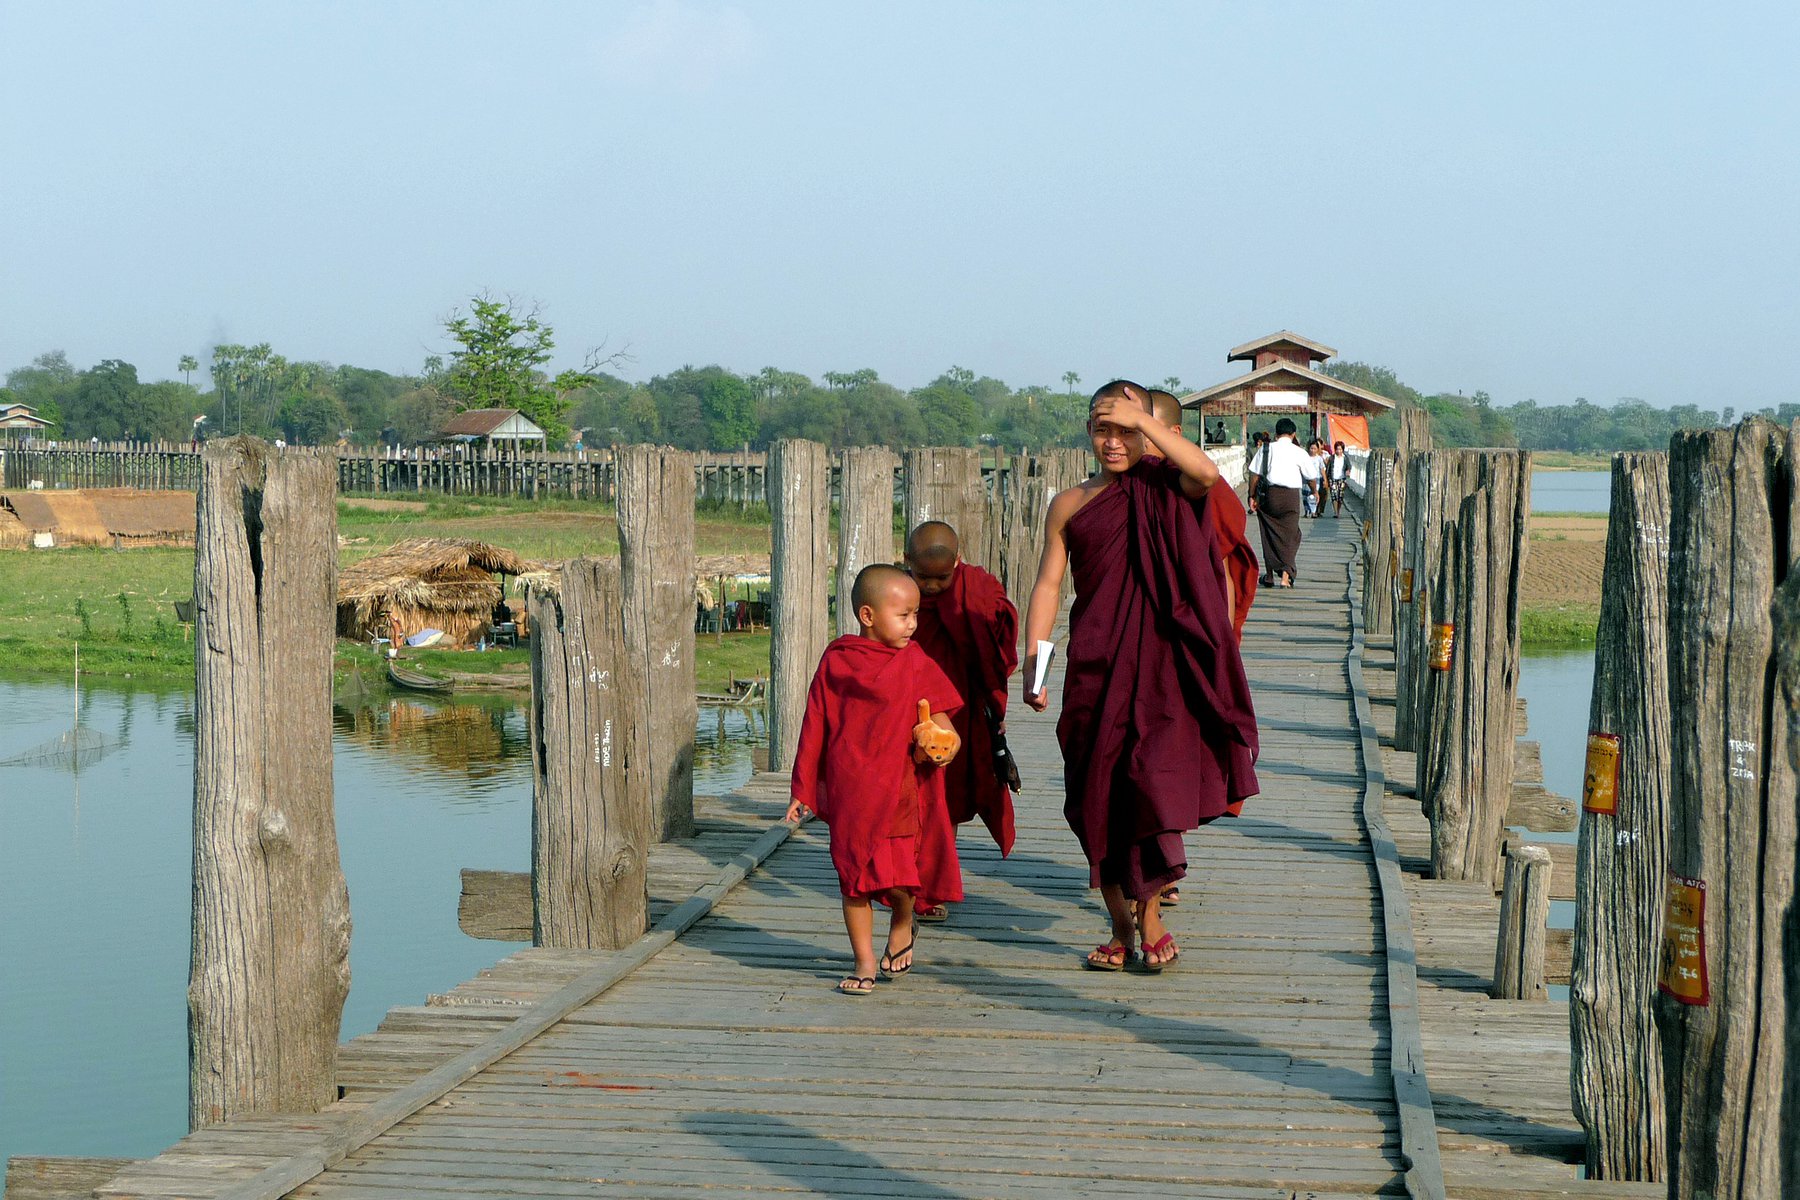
(41, 1177)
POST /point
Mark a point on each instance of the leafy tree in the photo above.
(166, 411)
(1072, 379)
(498, 363)
(187, 366)
(419, 414)
(45, 385)
(105, 402)
(313, 416)
(728, 407)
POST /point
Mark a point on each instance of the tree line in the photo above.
(498, 360)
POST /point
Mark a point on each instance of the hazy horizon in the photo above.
(1535, 202)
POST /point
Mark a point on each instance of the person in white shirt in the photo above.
(1281, 470)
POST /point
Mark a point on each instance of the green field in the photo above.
(119, 605)
(1558, 626)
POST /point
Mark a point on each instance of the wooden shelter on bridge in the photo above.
(21, 422)
(1283, 383)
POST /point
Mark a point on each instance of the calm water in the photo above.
(1571, 491)
(1556, 688)
(94, 888)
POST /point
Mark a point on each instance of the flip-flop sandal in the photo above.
(1163, 945)
(931, 914)
(1107, 963)
(856, 985)
(1170, 897)
(888, 969)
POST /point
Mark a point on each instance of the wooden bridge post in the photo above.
(865, 520)
(1378, 543)
(945, 484)
(270, 962)
(1439, 481)
(656, 555)
(1622, 857)
(799, 483)
(592, 818)
(1524, 919)
(1465, 726)
(1723, 1003)
(1787, 673)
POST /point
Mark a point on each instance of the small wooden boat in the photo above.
(416, 681)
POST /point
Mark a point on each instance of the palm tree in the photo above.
(1172, 384)
(187, 366)
(1072, 379)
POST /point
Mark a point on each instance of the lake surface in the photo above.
(95, 870)
(1571, 491)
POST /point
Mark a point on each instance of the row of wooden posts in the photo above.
(732, 478)
(612, 715)
(1685, 982)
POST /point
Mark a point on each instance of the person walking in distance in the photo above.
(1287, 471)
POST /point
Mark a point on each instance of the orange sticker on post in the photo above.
(1683, 973)
(1600, 782)
(1443, 645)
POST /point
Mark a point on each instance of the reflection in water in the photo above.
(95, 879)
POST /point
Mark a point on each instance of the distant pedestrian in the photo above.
(1287, 471)
(1340, 477)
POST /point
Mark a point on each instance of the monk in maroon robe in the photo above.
(971, 630)
(875, 738)
(1158, 731)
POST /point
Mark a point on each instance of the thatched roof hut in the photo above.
(425, 583)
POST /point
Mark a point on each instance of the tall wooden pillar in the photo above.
(1622, 858)
(592, 821)
(656, 554)
(799, 488)
(865, 520)
(945, 484)
(270, 963)
(1723, 1006)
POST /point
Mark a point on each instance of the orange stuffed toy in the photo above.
(932, 741)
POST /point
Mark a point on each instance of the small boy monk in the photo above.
(873, 744)
(971, 630)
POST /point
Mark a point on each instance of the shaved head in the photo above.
(933, 546)
(1122, 389)
(1165, 407)
(874, 582)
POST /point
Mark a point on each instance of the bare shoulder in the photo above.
(1068, 501)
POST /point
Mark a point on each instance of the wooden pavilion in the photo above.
(1283, 383)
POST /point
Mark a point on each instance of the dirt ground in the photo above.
(1564, 563)
(369, 505)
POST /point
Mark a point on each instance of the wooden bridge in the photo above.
(1327, 1032)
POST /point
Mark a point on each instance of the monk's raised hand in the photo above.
(1121, 413)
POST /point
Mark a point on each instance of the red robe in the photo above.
(1232, 522)
(854, 768)
(1158, 731)
(971, 630)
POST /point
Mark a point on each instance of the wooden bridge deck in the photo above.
(1259, 1067)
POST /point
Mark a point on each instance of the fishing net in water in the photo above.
(76, 748)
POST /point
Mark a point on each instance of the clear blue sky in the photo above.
(1542, 200)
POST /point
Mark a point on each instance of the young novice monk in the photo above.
(876, 734)
(971, 630)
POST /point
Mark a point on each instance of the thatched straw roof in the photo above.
(429, 574)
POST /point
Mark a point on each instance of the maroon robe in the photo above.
(1158, 731)
(971, 630)
(854, 767)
